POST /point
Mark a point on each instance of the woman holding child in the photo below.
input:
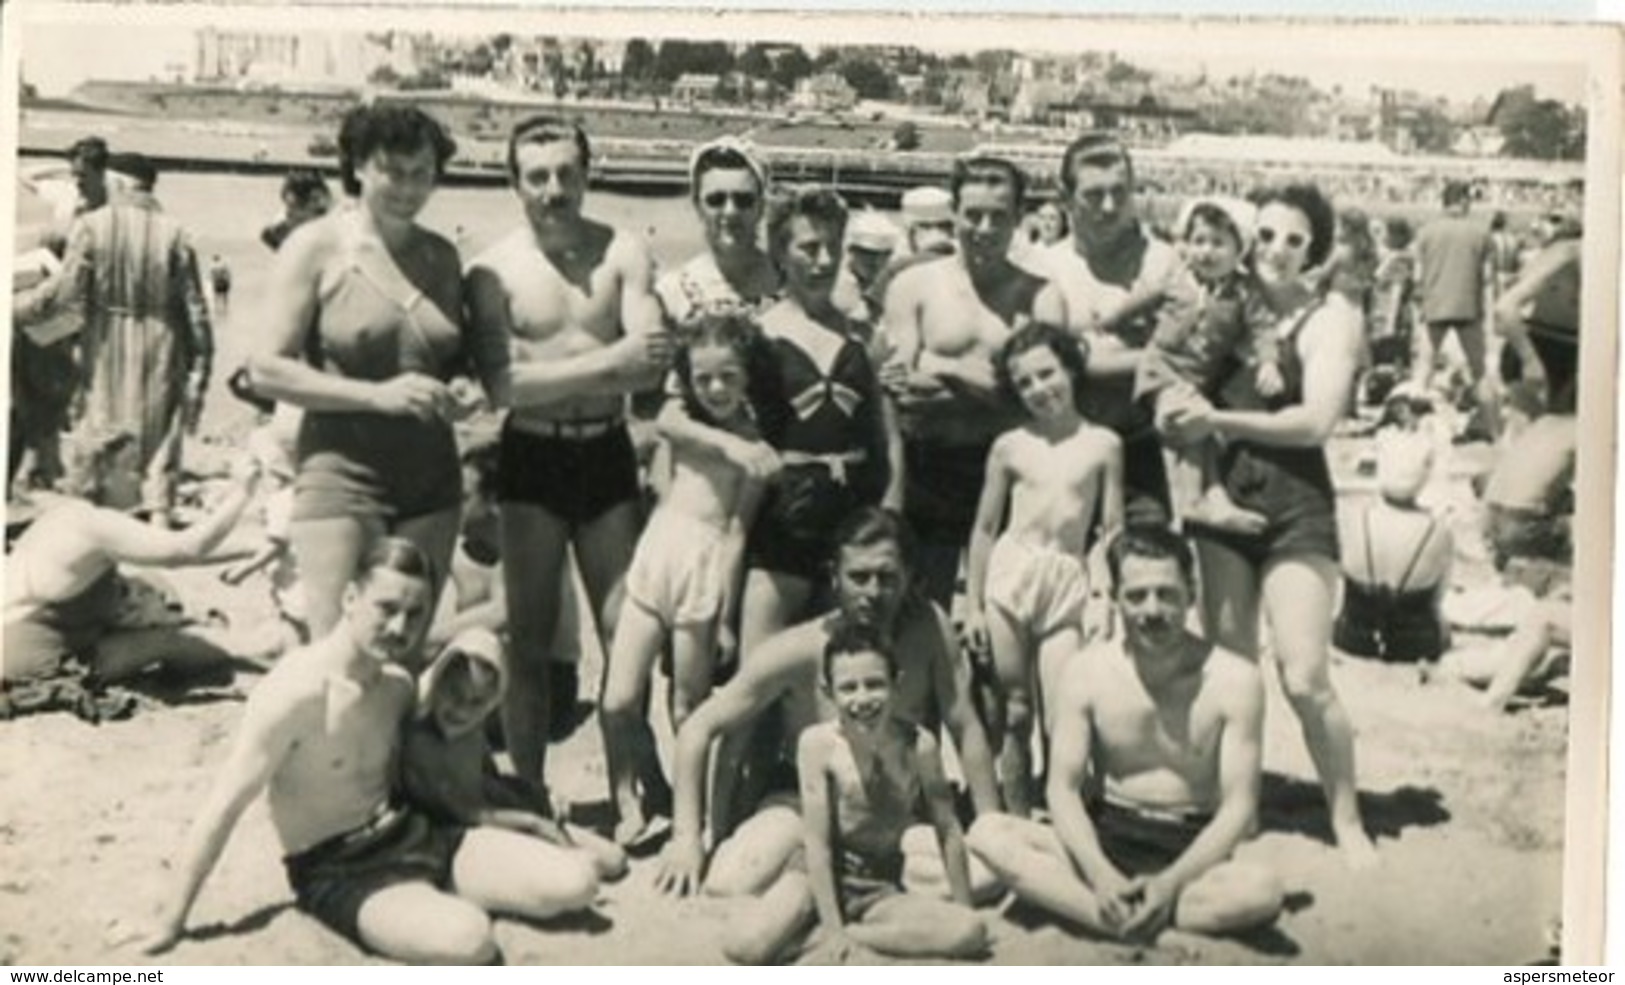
(364, 330)
(1274, 465)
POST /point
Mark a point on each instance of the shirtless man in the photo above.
(1112, 276)
(577, 299)
(871, 587)
(1155, 766)
(320, 734)
(944, 318)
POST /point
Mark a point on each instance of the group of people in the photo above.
(905, 498)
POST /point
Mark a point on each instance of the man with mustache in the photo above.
(1154, 771)
(575, 298)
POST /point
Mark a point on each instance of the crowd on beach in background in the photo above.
(951, 549)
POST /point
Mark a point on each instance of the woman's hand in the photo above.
(1189, 418)
(414, 395)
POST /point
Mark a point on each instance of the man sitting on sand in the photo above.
(1155, 764)
(872, 585)
(321, 733)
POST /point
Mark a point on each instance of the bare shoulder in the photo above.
(816, 743)
(312, 244)
(1096, 665)
(628, 251)
(919, 277)
(499, 258)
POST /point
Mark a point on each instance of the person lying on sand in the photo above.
(65, 597)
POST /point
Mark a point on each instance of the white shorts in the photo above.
(1040, 588)
(676, 572)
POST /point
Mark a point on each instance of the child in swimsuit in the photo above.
(683, 584)
(864, 777)
(1026, 586)
(1197, 337)
(447, 770)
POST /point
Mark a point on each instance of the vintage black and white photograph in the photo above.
(585, 487)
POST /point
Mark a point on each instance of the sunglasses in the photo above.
(743, 201)
(1293, 241)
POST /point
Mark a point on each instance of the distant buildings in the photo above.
(273, 57)
(825, 92)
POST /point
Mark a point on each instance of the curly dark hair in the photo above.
(1073, 355)
(394, 127)
(736, 330)
(1315, 206)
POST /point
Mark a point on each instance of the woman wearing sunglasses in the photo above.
(1274, 464)
(729, 188)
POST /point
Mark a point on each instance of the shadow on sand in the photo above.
(1297, 806)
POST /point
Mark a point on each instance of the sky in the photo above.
(57, 56)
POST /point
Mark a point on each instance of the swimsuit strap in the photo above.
(1365, 526)
(1416, 556)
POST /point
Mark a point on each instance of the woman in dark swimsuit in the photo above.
(374, 300)
(1274, 464)
(834, 438)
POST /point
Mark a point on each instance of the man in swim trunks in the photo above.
(1112, 275)
(1166, 729)
(320, 735)
(944, 318)
(872, 586)
(577, 300)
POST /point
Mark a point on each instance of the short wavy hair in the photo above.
(817, 203)
(545, 129)
(397, 128)
(1070, 352)
(1308, 199)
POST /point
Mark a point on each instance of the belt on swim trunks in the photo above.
(835, 462)
(385, 818)
(577, 430)
(1168, 815)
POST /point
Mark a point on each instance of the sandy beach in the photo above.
(1467, 806)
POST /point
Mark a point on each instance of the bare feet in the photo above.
(1216, 509)
(1357, 850)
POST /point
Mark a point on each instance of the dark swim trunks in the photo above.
(575, 479)
(1292, 488)
(1142, 841)
(862, 882)
(942, 490)
(334, 879)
